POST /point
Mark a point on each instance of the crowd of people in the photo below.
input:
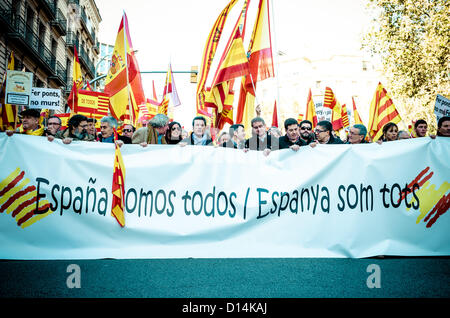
(160, 130)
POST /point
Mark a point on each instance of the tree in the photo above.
(412, 40)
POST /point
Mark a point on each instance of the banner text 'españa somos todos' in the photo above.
(330, 201)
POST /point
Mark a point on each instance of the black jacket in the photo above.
(286, 143)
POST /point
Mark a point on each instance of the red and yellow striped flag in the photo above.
(344, 115)
(208, 56)
(118, 188)
(92, 104)
(8, 112)
(123, 82)
(356, 118)
(260, 65)
(164, 106)
(311, 110)
(382, 111)
(332, 103)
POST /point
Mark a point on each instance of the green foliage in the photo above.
(412, 40)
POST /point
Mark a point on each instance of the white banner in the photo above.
(329, 201)
(441, 107)
(45, 98)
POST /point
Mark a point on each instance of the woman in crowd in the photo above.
(390, 132)
(173, 135)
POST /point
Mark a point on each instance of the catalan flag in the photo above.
(208, 56)
(164, 106)
(344, 115)
(311, 110)
(260, 64)
(356, 118)
(8, 112)
(382, 111)
(332, 103)
(118, 188)
(123, 81)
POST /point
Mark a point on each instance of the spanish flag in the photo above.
(382, 111)
(356, 118)
(8, 112)
(332, 103)
(118, 187)
(260, 65)
(123, 81)
(208, 56)
(77, 81)
(310, 113)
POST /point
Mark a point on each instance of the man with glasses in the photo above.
(292, 138)
(324, 134)
(128, 130)
(260, 139)
(53, 126)
(306, 133)
(357, 134)
(76, 130)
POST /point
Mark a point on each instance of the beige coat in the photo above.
(146, 134)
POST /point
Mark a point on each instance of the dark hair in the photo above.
(305, 122)
(386, 128)
(326, 124)
(75, 121)
(53, 116)
(420, 122)
(169, 134)
(289, 122)
(233, 128)
(91, 120)
(257, 120)
(441, 121)
(198, 118)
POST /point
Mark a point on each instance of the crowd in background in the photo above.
(160, 130)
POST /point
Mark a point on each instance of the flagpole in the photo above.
(125, 22)
(276, 53)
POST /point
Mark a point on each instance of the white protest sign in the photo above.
(442, 107)
(45, 98)
(18, 87)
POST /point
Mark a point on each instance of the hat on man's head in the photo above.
(31, 112)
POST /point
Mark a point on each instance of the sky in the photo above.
(176, 31)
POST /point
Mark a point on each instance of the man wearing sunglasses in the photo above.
(306, 133)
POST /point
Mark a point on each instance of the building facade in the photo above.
(43, 34)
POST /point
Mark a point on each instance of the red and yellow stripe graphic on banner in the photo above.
(123, 81)
(208, 56)
(19, 199)
(382, 111)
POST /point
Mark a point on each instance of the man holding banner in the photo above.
(30, 124)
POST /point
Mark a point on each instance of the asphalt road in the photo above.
(420, 277)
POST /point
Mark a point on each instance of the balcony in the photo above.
(86, 62)
(59, 23)
(49, 7)
(72, 40)
(25, 38)
(60, 75)
(5, 12)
